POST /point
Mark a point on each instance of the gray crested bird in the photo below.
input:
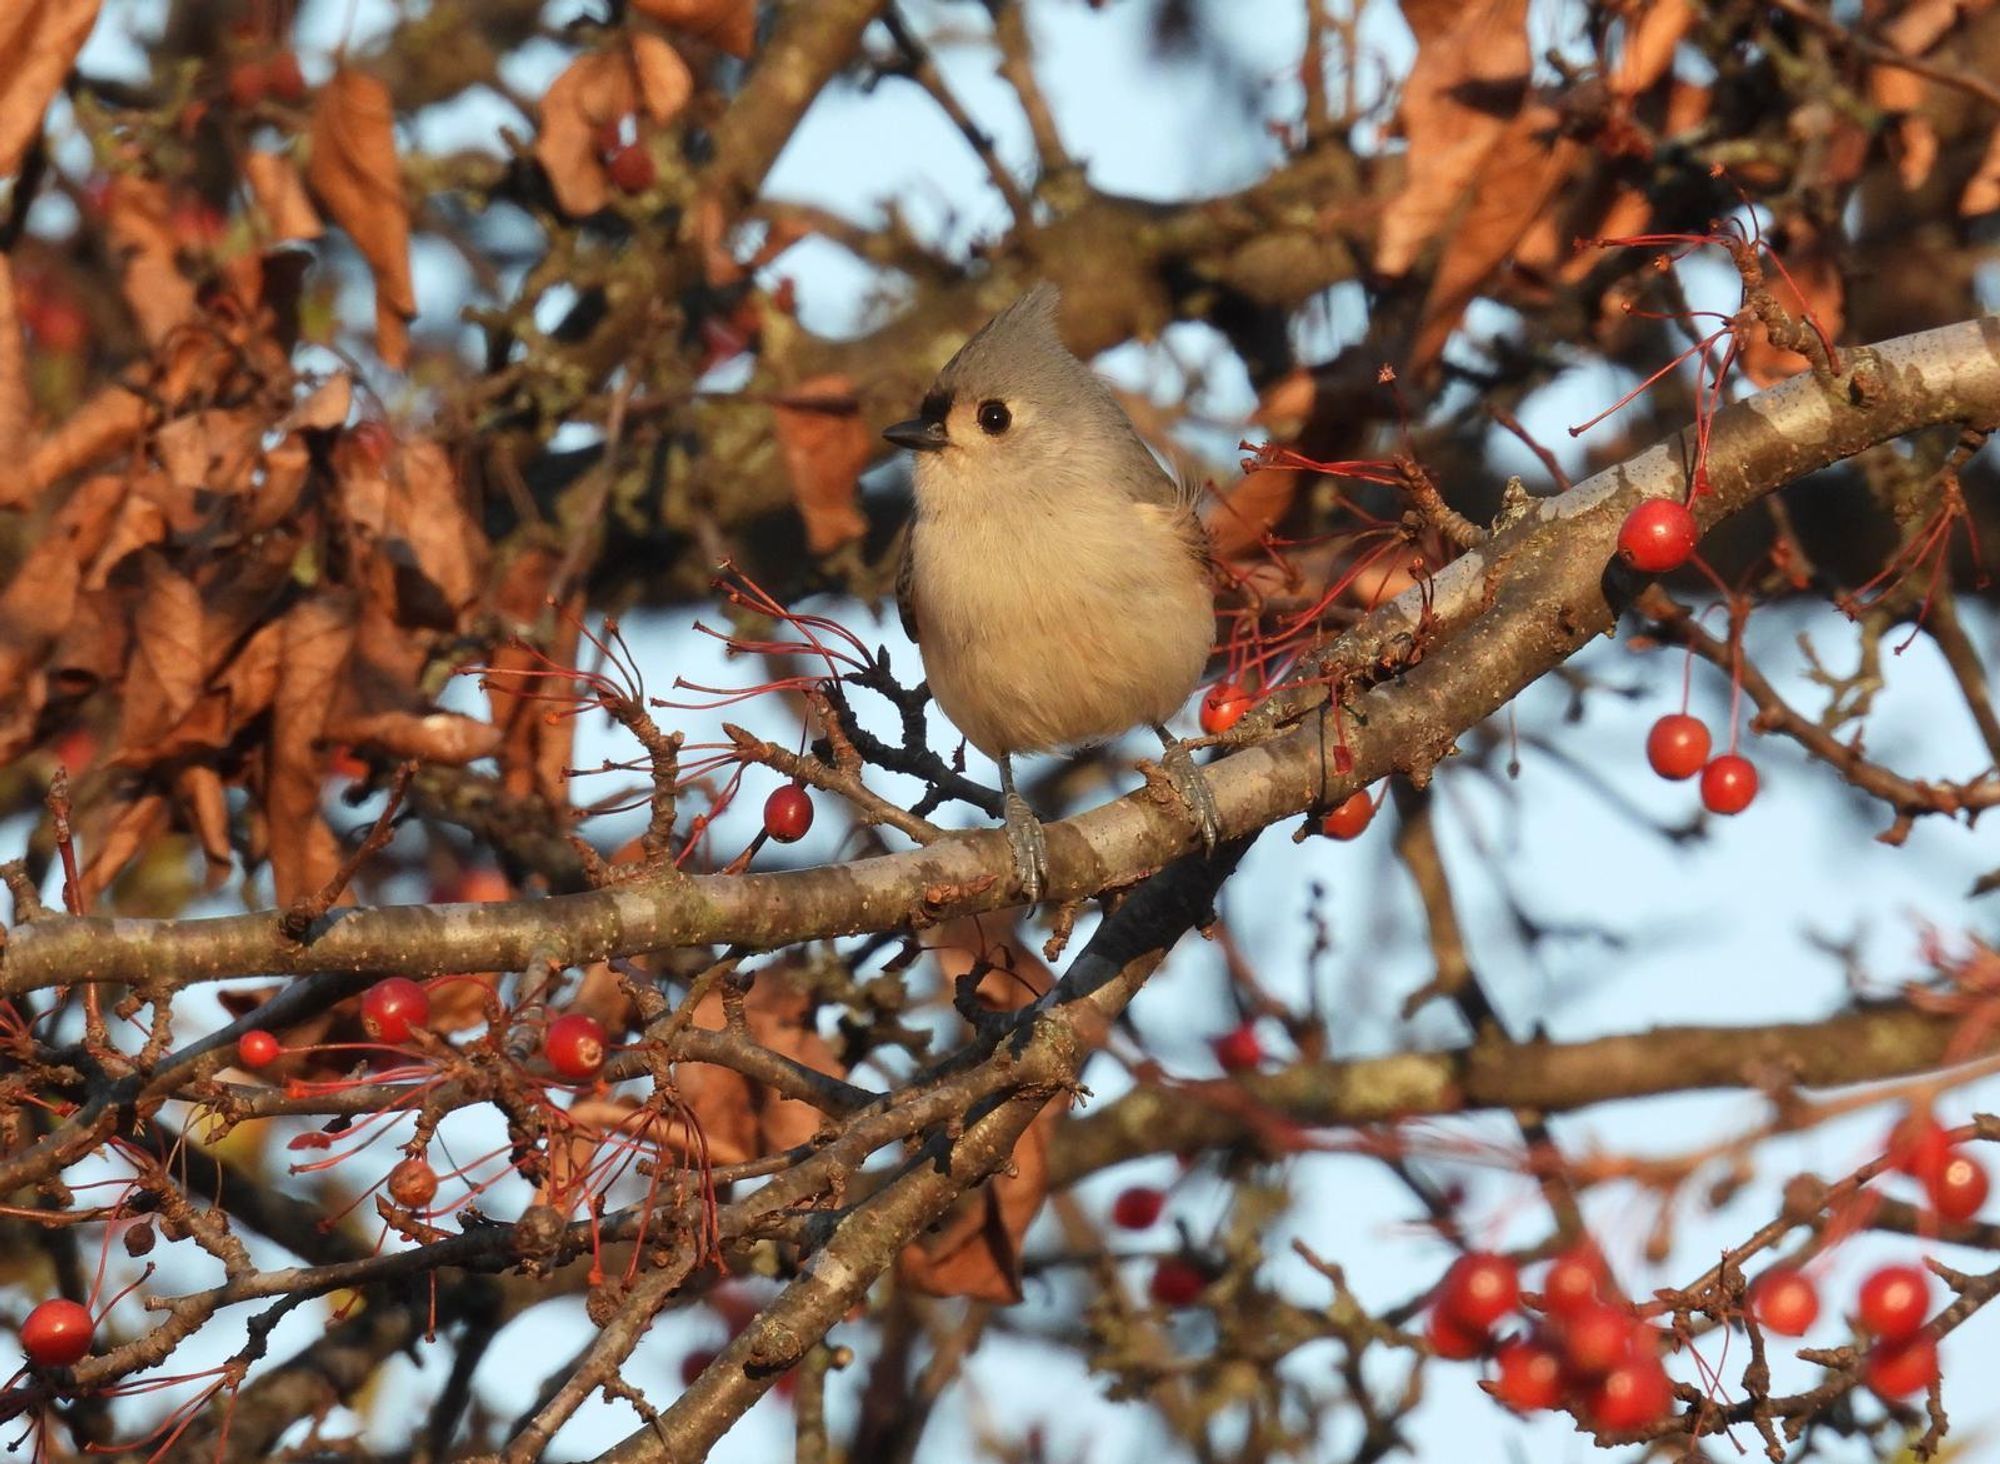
(1055, 577)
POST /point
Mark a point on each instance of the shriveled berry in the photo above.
(1786, 1301)
(788, 813)
(1728, 784)
(257, 1049)
(1959, 1187)
(392, 1009)
(1677, 746)
(1177, 1281)
(574, 1046)
(1238, 1049)
(1631, 1395)
(1138, 1208)
(1898, 1369)
(413, 1184)
(1479, 1289)
(1223, 707)
(1658, 536)
(1529, 1377)
(1453, 1339)
(57, 1333)
(1894, 1301)
(1351, 817)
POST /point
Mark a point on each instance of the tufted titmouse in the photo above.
(1055, 577)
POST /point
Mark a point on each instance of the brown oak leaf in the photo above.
(355, 173)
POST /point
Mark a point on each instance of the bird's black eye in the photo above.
(994, 418)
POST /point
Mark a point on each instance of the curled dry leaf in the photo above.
(537, 747)
(355, 172)
(1465, 87)
(826, 445)
(39, 40)
(665, 83)
(1982, 189)
(16, 404)
(281, 198)
(107, 421)
(730, 25)
(433, 737)
(741, 1119)
(164, 679)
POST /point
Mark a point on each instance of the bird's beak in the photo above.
(919, 434)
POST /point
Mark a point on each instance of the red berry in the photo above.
(1223, 707)
(248, 83)
(1728, 784)
(1137, 1208)
(413, 1184)
(284, 79)
(1453, 1339)
(1238, 1049)
(632, 169)
(788, 813)
(1632, 1395)
(1958, 1188)
(1177, 1281)
(1657, 536)
(257, 1048)
(574, 1046)
(1677, 746)
(1350, 818)
(1786, 1301)
(1576, 1279)
(695, 1364)
(1918, 1145)
(1530, 1376)
(1898, 1369)
(1479, 1289)
(56, 1334)
(1599, 1337)
(1894, 1302)
(394, 1008)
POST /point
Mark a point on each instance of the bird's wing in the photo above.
(1176, 497)
(906, 584)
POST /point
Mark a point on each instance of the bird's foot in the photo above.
(1029, 844)
(1190, 784)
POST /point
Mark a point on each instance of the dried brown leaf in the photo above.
(16, 402)
(434, 737)
(1982, 189)
(1464, 89)
(1519, 179)
(664, 81)
(1650, 39)
(164, 679)
(355, 172)
(107, 421)
(212, 451)
(112, 836)
(139, 215)
(975, 1250)
(39, 40)
(596, 91)
(730, 25)
(826, 445)
(313, 661)
(281, 197)
(199, 790)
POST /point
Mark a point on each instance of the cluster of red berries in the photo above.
(1892, 1305)
(1677, 748)
(1588, 1352)
(1955, 1183)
